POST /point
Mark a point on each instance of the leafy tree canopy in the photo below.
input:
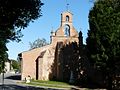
(103, 37)
(38, 43)
(16, 15)
(15, 65)
(103, 40)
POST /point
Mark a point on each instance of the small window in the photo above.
(67, 18)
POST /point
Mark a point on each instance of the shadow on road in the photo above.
(14, 77)
(12, 87)
(17, 87)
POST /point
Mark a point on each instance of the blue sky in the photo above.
(42, 27)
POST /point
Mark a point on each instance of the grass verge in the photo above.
(49, 84)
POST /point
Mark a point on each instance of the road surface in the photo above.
(10, 83)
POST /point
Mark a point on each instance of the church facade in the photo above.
(43, 63)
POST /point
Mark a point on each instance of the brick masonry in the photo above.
(37, 63)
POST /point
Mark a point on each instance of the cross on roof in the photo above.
(67, 5)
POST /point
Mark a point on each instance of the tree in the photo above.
(15, 65)
(38, 43)
(103, 42)
(14, 16)
(3, 54)
(3, 58)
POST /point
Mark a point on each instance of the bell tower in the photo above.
(66, 18)
(66, 23)
(66, 31)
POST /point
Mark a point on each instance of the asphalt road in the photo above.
(10, 83)
(10, 78)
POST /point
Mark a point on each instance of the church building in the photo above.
(38, 62)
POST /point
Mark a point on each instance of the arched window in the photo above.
(67, 30)
(67, 18)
